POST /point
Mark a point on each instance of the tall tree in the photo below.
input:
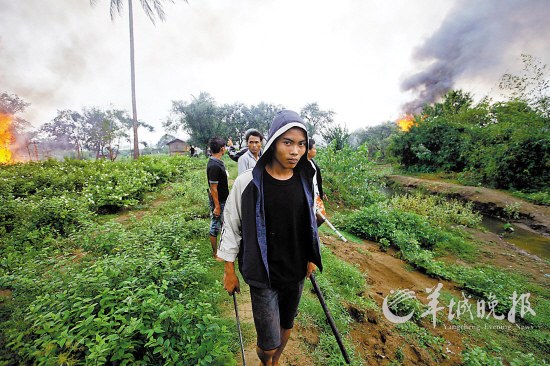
(236, 118)
(153, 9)
(261, 116)
(200, 118)
(164, 140)
(66, 130)
(11, 105)
(317, 120)
(377, 138)
(337, 135)
(532, 85)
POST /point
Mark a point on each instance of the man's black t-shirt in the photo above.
(216, 173)
(287, 224)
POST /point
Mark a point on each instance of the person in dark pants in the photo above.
(218, 188)
(271, 229)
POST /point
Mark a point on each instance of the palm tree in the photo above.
(153, 9)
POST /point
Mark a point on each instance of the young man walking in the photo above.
(254, 143)
(271, 228)
(218, 188)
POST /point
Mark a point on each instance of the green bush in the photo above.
(477, 356)
(349, 176)
(143, 304)
(438, 210)
(488, 143)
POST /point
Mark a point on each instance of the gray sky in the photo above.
(364, 59)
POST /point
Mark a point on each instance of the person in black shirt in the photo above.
(271, 229)
(218, 189)
(318, 180)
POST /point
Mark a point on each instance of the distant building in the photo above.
(178, 147)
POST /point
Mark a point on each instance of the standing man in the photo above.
(253, 140)
(218, 188)
(318, 180)
(270, 227)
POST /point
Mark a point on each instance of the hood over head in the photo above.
(283, 121)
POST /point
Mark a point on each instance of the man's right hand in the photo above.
(229, 142)
(230, 279)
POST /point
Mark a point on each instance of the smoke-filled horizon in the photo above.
(349, 57)
(476, 38)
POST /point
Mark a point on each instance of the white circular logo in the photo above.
(401, 295)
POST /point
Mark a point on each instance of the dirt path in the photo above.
(376, 338)
(295, 353)
(486, 200)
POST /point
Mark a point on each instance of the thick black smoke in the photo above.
(476, 39)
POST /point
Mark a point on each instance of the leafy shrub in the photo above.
(349, 176)
(380, 220)
(489, 143)
(477, 356)
(539, 198)
(140, 306)
(438, 210)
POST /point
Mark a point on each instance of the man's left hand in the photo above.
(310, 269)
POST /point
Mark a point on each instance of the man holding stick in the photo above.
(271, 228)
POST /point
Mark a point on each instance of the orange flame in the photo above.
(6, 138)
(406, 122)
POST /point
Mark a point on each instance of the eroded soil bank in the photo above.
(488, 201)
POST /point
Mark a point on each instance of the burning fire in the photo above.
(6, 138)
(406, 122)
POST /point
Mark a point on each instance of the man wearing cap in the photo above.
(254, 142)
(271, 229)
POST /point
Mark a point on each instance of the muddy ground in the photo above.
(375, 338)
(489, 201)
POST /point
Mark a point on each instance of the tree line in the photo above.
(503, 144)
(202, 118)
(98, 132)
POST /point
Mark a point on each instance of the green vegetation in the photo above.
(426, 230)
(342, 285)
(85, 290)
(348, 176)
(87, 278)
(489, 143)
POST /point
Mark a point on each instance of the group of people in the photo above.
(268, 224)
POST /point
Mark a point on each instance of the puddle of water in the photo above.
(529, 241)
(522, 238)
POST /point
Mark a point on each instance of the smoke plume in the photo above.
(475, 41)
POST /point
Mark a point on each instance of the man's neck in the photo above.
(277, 171)
(217, 156)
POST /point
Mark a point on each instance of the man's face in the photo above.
(254, 144)
(312, 152)
(290, 147)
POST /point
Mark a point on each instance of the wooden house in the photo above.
(178, 147)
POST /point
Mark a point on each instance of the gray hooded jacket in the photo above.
(244, 230)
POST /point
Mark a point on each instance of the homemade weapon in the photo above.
(320, 209)
(329, 318)
(239, 327)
